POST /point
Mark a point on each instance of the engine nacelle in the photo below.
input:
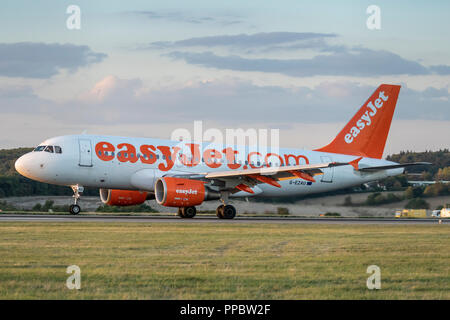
(115, 197)
(178, 192)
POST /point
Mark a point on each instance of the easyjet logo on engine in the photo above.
(186, 191)
(366, 118)
(167, 156)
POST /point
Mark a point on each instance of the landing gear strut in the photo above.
(187, 212)
(75, 208)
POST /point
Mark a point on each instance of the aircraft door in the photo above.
(327, 172)
(85, 153)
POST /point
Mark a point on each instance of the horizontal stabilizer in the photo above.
(395, 166)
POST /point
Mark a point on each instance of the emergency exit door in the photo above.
(85, 153)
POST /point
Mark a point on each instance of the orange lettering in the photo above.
(169, 157)
(148, 156)
(127, 155)
(250, 161)
(266, 159)
(195, 152)
(101, 148)
(210, 155)
(231, 159)
(297, 159)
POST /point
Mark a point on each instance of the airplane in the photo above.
(183, 174)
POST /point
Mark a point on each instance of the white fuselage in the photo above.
(83, 161)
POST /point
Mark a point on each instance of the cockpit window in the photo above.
(49, 149)
(39, 148)
(58, 149)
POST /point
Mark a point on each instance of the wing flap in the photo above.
(275, 172)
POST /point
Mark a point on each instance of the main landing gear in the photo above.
(75, 208)
(226, 211)
(187, 212)
(222, 212)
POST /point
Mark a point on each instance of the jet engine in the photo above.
(178, 192)
(115, 197)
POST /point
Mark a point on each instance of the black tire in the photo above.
(188, 212)
(229, 212)
(219, 211)
(74, 209)
(180, 212)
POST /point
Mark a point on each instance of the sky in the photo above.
(146, 68)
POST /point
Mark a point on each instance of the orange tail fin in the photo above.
(366, 133)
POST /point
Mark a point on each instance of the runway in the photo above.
(212, 219)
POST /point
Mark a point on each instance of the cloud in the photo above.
(247, 41)
(358, 62)
(42, 60)
(177, 16)
(237, 53)
(306, 116)
(129, 101)
(441, 69)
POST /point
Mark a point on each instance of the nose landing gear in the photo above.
(75, 208)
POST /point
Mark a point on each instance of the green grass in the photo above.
(223, 261)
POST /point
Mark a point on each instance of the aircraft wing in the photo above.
(279, 173)
(243, 180)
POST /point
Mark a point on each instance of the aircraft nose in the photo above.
(21, 165)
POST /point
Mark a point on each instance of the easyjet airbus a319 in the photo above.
(129, 171)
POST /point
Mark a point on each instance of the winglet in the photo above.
(355, 163)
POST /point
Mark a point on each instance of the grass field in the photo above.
(223, 261)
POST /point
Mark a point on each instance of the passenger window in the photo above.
(58, 149)
(49, 149)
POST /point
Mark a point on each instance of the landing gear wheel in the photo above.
(188, 212)
(219, 211)
(229, 212)
(74, 209)
(180, 212)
